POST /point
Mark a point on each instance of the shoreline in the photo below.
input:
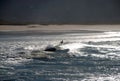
(56, 28)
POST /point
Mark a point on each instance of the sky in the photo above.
(60, 11)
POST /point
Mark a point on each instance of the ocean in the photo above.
(91, 56)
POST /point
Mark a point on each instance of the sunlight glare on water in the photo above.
(91, 57)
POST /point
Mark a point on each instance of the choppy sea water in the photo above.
(92, 56)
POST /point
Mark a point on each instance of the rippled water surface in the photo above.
(92, 56)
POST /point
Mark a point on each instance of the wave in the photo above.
(90, 57)
(99, 45)
(103, 78)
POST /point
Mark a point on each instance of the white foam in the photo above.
(75, 50)
(104, 46)
(72, 46)
(16, 61)
(103, 78)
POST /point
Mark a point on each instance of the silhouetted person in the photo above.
(61, 42)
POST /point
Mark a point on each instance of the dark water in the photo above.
(92, 56)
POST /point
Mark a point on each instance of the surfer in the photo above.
(61, 42)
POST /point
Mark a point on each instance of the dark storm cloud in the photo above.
(60, 11)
